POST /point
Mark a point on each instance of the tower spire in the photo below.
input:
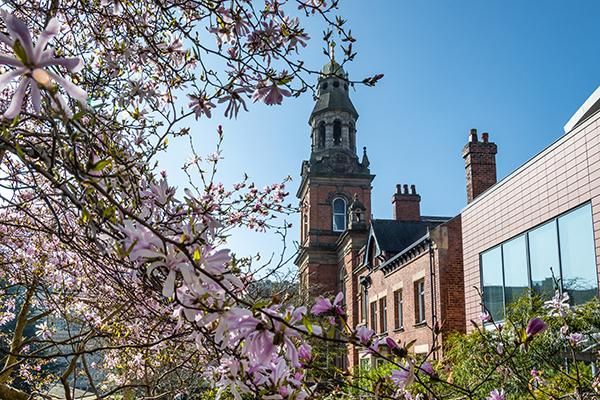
(332, 51)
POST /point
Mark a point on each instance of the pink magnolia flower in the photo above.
(497, 395)
(305, 352)
(427, 368)
(391, 344)
(29, 62)
(364, 335)
(403, 376)
(485, 317)
(324, 305)
(200, 105)
(43, 331)
(576, 338)
(535, 326)
(270, 94)
(558, 305)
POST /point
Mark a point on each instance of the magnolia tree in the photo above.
(113, 280)
(109, 277)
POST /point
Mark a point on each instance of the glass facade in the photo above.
(559, 254)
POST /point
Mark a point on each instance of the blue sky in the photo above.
(517, 69)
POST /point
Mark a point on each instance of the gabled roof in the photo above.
(395, 236)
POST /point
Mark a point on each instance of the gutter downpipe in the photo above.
(433, 299)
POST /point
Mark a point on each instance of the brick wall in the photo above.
(480, 164)
(404, 278)
(561, 177)
(447, 240)
(318, 260)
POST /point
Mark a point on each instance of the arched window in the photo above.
(321, 135)
(339, 215)
(337, 132)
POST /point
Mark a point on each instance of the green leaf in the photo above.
(100, 165)
(307, 324)
(20, 52)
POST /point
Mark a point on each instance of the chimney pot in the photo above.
(406, 203)
(485, 137)
(473, 135)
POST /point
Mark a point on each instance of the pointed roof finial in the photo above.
(332, 50)
(365, 160)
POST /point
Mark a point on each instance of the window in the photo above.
(420, 301)
(544, 262)
(321, 136)
(383, 314)
(514, 257)
(339, 215)
(559, 254)
(374, 316)
(337, 132)
(577, 255)
(364, 305)
(365, 364)
(493, 282)
(398, 312)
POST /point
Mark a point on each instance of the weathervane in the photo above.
(332, 51)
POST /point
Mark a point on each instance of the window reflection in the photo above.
(514, 256)
(561, 251)
(543, 255)
(577, 255)
(493, 292)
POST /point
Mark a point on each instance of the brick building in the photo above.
(406, 276)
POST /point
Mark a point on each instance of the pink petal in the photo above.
(73, 90)
(72, 64)
(7, 77)
(169, 285)
(13, 62)
(18, 30)
(51, 30)
(17, 101)
(36, 96)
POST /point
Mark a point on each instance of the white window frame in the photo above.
(335, 214)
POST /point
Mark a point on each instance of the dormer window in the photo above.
(339, 215)
(337, 132)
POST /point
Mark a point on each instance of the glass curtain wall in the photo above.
(560, 254)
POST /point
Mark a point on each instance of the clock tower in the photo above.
(332, 179)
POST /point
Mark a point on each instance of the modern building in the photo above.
(411, 275)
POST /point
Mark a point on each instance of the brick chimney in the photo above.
(407, 204)
(480, 164)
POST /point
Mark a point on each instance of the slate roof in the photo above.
(394, 236)
(334, 100)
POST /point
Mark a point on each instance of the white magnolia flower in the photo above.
(29, 63)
